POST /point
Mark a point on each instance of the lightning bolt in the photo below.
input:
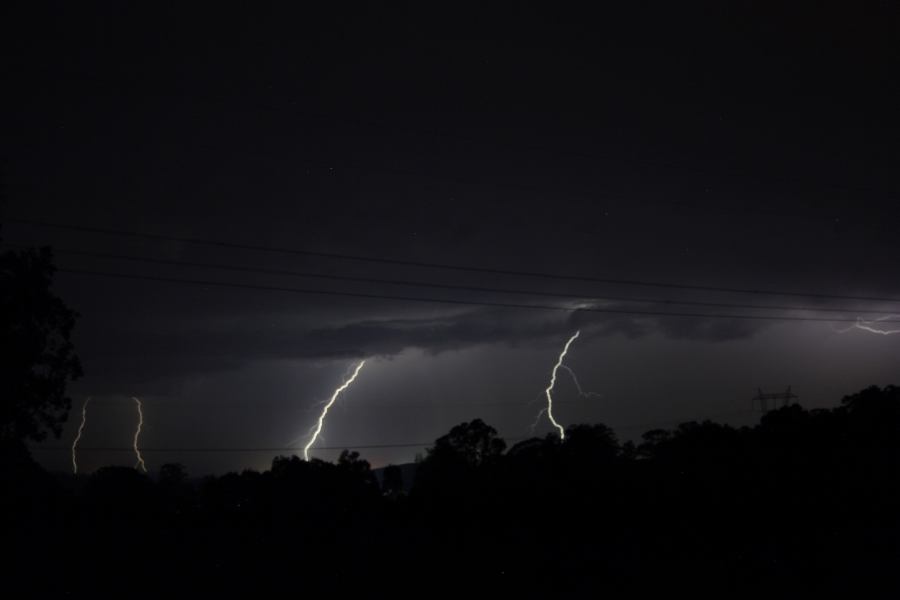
(581, 392)
(137, 434)
(78, 436)
(549, 390)
(337, 392)
(867, 326)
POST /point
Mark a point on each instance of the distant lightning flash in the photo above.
(334, 396)
(867, 326)
(78, 436)
(549, 409)
(137, 434)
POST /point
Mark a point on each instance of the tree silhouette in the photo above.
(351, 461)
(874, 415)
(120, 493)
(453, 471)
(392, 480)
(172, 475)
(475, 443)
(592, 442)
(37, 357)
(754, 507)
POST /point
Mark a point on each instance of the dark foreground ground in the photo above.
(804, 503)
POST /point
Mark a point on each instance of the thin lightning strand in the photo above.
(562, 432)
(537, 419)
(867, 326)
(137, 433)
(581, 391)
(78, 436)
(334, 396)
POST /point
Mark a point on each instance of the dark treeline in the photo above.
(805, 501)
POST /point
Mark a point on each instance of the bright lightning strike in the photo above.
(581, 393)
(562, 356)
(78, 436)
(868, 326)
(137, 434)
(334, 396)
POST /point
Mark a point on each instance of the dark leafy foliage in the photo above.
(37, 358)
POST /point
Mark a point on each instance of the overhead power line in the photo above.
(236, 449)
(467, 288)
(130, 449)
(630, 312)
(447, 266)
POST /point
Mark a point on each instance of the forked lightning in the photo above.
(318, 428)
(549, 390)
(865, 325)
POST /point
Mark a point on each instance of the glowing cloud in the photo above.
(78, 436)
(549, 390)
(318, 428)
(137, 434)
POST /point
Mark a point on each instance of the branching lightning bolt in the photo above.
(78, 435)
(137, 434)
(867, 326)
(328, 405)
(549, 390)
(581, 393)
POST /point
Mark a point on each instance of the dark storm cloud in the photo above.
(729, 149)
(438, 335)
(710, 330)
(699, 328)
(609, 324)
(147, 356)
(150, 355)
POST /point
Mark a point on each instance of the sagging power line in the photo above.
(456, 287)
(445, 266)
(450, 301)
(237, 449)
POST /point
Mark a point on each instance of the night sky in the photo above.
(728, 145)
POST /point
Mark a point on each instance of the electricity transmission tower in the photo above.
(762, 399)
